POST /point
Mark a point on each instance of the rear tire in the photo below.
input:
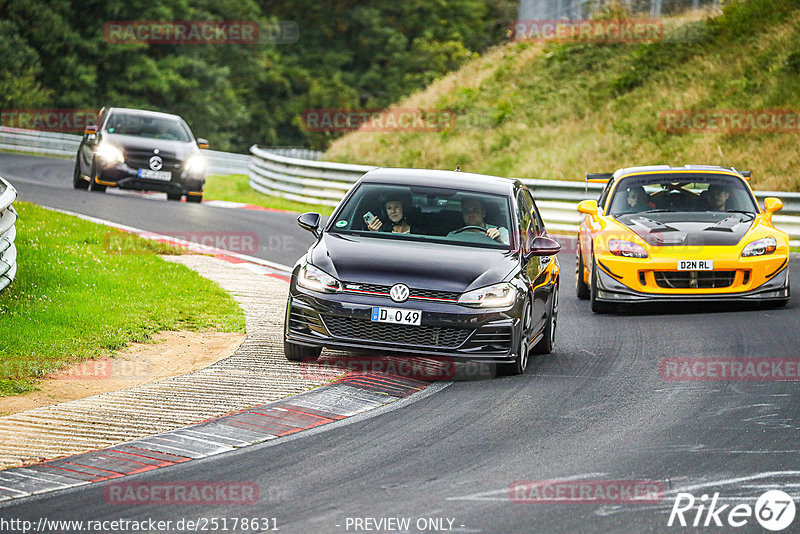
(194, 198)
(597, 305)
(548, 341)
(174, 196)
(297, 353)
(581, 287)
(518, 366)
(93, 185)
(77, 181)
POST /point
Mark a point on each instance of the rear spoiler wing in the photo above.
(599, 177)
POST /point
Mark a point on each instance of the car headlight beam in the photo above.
(108, 154)
(760, 247)
(316, 279)
(494, 296)
(196, 164)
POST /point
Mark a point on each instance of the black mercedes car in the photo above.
(427, 263)
(144, 150)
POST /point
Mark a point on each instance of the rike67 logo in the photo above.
(774, 511)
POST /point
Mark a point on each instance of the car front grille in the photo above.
(428, 336)
(140, 159)
(420, 294)
(694, 279)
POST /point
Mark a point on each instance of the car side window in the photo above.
(537, 225)
(604, 194)
(524, 209)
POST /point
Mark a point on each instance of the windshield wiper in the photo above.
(657, 210)
(746, 212)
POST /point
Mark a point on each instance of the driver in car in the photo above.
(473, 211)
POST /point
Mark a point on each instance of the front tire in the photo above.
(597, 305)
(581, 287)
(194, 198)
(297, 353)
(77, 181)
(548, 341)
(93, 185)
(520, 363)
(174, 196)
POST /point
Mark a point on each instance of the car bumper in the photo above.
(126, 177)
(609, 289)
(343, 321)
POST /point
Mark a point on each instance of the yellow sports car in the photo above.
(689, 233)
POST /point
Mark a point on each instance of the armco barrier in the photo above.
(8, 252)
(61, 144)
(322, 182)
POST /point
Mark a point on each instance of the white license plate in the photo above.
(695, 265)
(164, 176)
(396, 316)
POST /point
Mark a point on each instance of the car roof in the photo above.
(483, 183)
(145, 112)
(685, 169)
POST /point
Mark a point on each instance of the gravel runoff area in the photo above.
(255, 374)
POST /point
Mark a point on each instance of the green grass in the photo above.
(84, 290)
(555, 111)
(236, 188)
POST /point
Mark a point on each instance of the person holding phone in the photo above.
(393, 217)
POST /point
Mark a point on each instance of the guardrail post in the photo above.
(8, 252)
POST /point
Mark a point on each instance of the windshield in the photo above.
(681, 192)
(152, 127)
(426, 213)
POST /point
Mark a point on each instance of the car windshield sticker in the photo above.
(341, 224)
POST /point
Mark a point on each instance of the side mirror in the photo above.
(772, 204)
(589, 207)
(310, 221)
(544, 246)
(90, 130)
(202, 143)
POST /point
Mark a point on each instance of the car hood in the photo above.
(171, 149)
(689, 229)
(422, 265)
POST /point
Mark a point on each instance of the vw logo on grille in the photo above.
(156, 163)
(399, 292)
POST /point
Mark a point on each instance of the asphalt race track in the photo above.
(597, 409)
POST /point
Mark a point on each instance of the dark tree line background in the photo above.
(349, 54)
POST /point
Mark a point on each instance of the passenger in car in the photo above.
(636, 200)
(473, 212)
(717, 197)
(393, 216)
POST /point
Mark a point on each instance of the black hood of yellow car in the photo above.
(664, 229)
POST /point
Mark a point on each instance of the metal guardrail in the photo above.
(61, 144)
(325, 183)
(8, 252)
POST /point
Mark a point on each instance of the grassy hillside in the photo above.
(554, 111)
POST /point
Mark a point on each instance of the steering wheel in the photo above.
(469, 228)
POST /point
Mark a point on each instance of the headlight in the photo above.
(626, 249)
(496, 296)
(196, 164)
(109, 154)
(760, 247)
(316, 279)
